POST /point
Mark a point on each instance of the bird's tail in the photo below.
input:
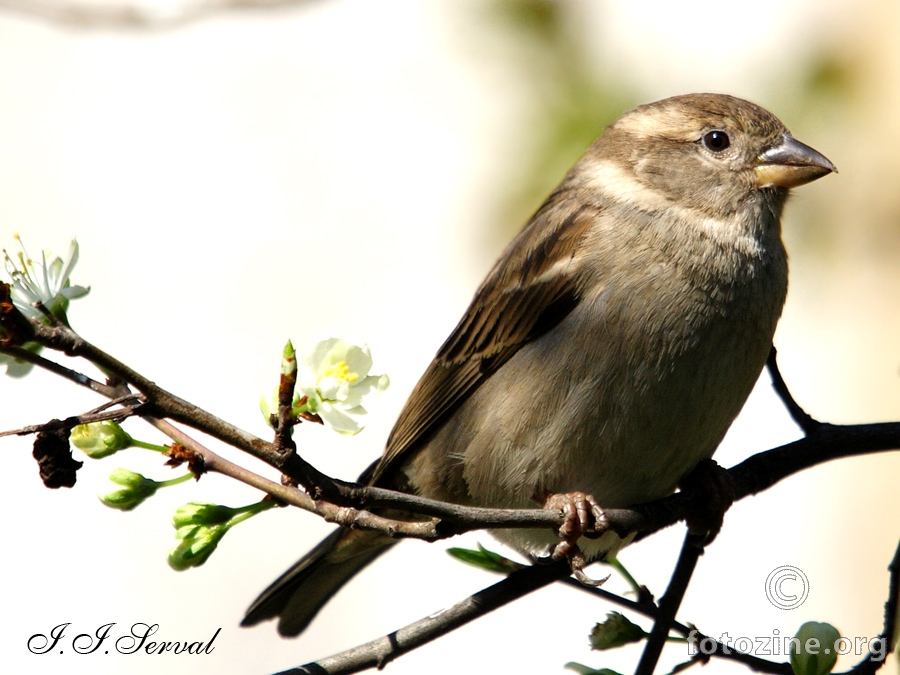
(298, 594)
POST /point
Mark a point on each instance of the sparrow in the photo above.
(610, 347)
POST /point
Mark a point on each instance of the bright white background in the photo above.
(261, 176)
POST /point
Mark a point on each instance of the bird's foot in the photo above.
(715, 494)
(582, 517)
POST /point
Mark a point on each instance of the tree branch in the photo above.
(889, 634)
(669, 604)
(348, 503)
(380, 652)
(165, 404)
(799, 415)
(57, 369)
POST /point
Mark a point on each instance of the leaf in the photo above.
(484, 559)
(582, 669)
(616, 631)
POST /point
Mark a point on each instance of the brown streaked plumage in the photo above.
(612, 344)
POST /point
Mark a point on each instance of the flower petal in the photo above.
(359, 360)
(339, 420)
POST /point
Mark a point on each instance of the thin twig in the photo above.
(425, 530)
(429, 530)
(669, 604)
(891, 631)
(889, 634)
(117, 414)
(716, 648)
(116, 401)
(57, 369)
(803, 419)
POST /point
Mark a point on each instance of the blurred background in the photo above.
(240, 175)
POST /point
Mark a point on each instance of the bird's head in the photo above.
(704, 152)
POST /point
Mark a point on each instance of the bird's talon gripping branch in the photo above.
(582, 517)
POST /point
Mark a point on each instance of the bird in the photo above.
(609, 348)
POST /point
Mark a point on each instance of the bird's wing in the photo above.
(533, 286)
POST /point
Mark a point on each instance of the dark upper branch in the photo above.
(803, 419)
(889, 634)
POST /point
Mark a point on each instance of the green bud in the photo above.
(196, 545)
(100, 439)
(616, 631)
(199, 527)
(135, 489)
(288, 360)
(205, 515)
(813, 649)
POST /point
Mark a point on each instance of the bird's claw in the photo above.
(582, 517)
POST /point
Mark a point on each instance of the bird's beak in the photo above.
(791, 163)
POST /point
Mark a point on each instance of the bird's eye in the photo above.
(716, 140)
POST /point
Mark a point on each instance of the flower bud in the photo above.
(196, 545)
(135, 489)
(204, 515)
(100, 439)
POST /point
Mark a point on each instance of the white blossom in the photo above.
(334, 376)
